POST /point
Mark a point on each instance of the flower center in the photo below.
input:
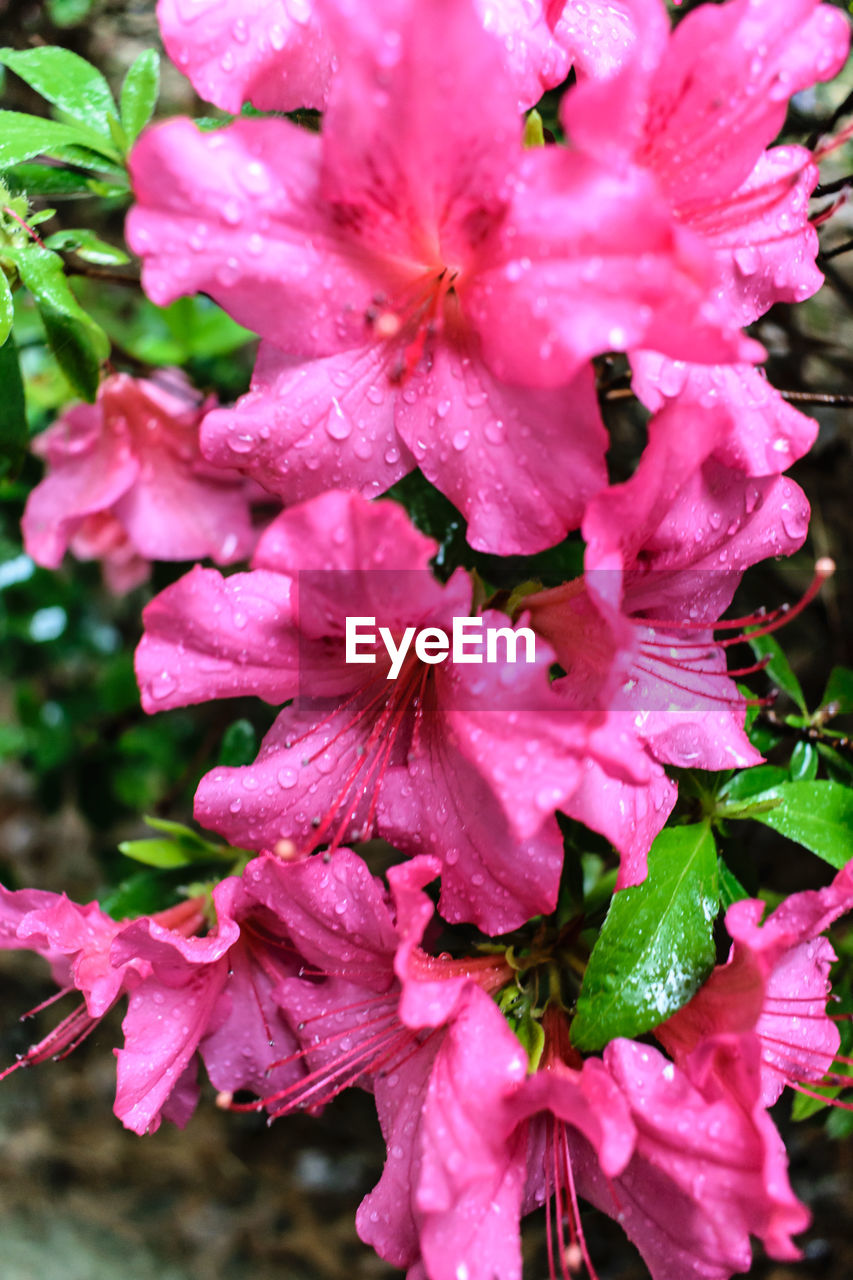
(411, 318)
(390, 713)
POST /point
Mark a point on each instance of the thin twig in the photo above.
(840, 400)
(102, 273)
(826, 254)
(841, 110)
(829, 188)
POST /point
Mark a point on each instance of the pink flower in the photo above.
(697, 109)
(773, 987)
(421, 1031)
(599, 35)
(126, 483)
(769, 434)
(665, 552)
(76, 941)
(278, 54)
(706, 1172)
(272, 53)
(428, 292)
(467, 762)
(689, 1175)
(211, 995)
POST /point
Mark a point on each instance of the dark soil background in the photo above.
(228, 1198)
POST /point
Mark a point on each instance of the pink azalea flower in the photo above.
(689, 1175)
(697, 109)
(769, 434)
(278, 55)
(467, 762)
(429, 293)
(420, 1031)
(126, 483)
(599, 35)
(272, 53)
(76, 942)
(213, 996)
(665, 552)
(706, 1172)
(773, 987)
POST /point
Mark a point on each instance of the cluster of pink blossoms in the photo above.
(431, 294)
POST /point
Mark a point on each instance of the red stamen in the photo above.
(413, 316)
(729, 211)
(398, 701)
(45, 1004)
(58, 1043)
(830, 1102)
(824, 569)
(732, 700)
(832, 142)
(824, 216)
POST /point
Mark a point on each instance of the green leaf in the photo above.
(45, 180)
(14, 436)
(88, 246)
(748, 783)
(23, 136)
(804, 762)
(139, 93)
(156, 853)
(7, 307)
(731, 889)
(805, 1106)
(817, 815)
(239, 744)
(516, 1008)
(68, 81)
(838, 693)
(779, 669)
(78, 343)
(840, 767)
(139, 895)
(193, 845)
(93, 152)
(656, 946)
(68, 13)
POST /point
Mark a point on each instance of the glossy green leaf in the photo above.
(45, 180)
(804, 762)
(99, 155)
(71, 83)
(23, 136)
(87, 246)
(839, 767)
(139, 93)
(14, 435)
(838, 693)
(156, 853)
(140, 895)
(748, 783)
(731, 889)
(239, 744)
(817, 815)
(78, 344)
(7, 308)
(779, 669)
(656, 946)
